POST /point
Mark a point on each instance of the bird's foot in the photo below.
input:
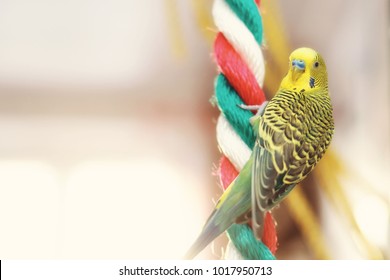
(258, 108)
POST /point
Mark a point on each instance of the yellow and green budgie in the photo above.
(293, 131)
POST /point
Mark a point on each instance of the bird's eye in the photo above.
(316, 64)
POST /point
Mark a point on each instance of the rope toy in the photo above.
(241, 63)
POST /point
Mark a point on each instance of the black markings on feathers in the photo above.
(295, 130)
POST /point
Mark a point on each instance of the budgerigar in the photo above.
(293, 132)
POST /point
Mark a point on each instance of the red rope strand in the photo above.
(237, 72)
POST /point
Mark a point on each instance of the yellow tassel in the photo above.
(204, 20)
(327, 172)
(174, 27)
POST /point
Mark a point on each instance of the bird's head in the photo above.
(307, 71)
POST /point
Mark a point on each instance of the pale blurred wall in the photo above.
(106, 134)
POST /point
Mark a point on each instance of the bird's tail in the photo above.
(234, 202)
(209, 232)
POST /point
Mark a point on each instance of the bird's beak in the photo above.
(296, 73)
(298, 67)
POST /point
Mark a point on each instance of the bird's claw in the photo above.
(258, 108)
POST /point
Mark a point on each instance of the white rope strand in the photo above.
(240, 38)
(231, 144)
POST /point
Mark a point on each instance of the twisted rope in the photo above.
(242, 68)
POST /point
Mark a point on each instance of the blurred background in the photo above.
(107, 136)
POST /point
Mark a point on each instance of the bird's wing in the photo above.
(289, 144)
(259, 195)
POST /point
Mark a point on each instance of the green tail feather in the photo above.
(208, 234)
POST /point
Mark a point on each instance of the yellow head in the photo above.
(307, 71)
